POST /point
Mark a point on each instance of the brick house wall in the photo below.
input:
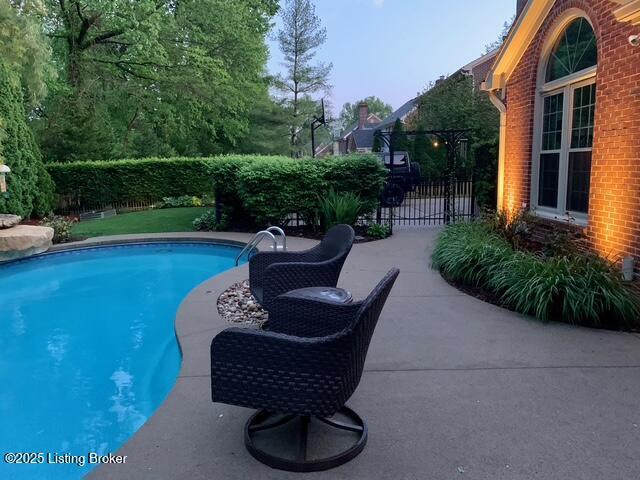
(614, 201)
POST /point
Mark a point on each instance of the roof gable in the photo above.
(517, 42)
(527, 25)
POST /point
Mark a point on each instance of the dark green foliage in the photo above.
(399, 141)
(29, 186)
(182, 201)
(362, 174)
(206, 222)
(95, 183)
(251, 187)
(270, 189)
(579, 289)
(377, 144)
(486, 173)
(377, 230)
(456, 104)
(339, 208)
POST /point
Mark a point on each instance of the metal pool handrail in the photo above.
(258, 237)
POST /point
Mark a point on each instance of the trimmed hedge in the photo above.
(268, 187)
(95, 183)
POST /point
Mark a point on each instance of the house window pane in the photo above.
(548, 184)
(578, 181)
(552, 122)
(584, 102)
(575, 50)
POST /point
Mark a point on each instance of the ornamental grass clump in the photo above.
(580, 288)
(339, 208)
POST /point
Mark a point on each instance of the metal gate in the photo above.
(429, 204)
(427, 201)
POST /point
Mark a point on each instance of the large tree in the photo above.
(350, 111)
(153, 77)
(299, 38)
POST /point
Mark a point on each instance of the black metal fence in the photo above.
(429, 204)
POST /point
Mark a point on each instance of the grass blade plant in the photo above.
(339, 208)
(580, 289)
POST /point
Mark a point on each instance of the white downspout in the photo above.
(502, 108)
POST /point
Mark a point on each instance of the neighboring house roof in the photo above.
(363, 138)
(400, 113)
(524, 30)
(372, 121)
(480, 60)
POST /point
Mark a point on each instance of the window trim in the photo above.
(567, 85)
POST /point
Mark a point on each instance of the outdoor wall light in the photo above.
(628, 266)
(3, 179)
(436, 143)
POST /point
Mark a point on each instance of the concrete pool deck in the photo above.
(453, 388)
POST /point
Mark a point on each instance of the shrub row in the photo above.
(268, 188)
(580, 289)
(95, 183)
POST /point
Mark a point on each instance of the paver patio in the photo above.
(453, 388)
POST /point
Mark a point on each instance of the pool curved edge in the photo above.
(187, 413)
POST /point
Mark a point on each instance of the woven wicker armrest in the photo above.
(306, 317)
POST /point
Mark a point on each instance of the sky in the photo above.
(393, 48)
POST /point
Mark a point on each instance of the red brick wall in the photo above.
(614, 210)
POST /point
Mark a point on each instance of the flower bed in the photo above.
(562, 285)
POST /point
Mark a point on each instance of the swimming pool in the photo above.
(88, 348)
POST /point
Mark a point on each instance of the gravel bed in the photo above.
(237, 305)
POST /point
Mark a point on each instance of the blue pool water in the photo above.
(88, 348)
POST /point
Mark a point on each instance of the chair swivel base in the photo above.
(263, 421)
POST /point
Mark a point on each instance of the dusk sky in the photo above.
(393, 48)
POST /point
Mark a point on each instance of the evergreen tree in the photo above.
(29, 185)
(302, 34)
(400, 142)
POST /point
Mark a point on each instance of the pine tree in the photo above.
(29, 185)
(400, 141)
(300, 37)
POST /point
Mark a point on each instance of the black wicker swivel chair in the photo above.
(303, 368)
(274, 273)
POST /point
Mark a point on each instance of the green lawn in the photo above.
(148, 221)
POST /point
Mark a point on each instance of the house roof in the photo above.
(363, 138)
(400, 113)
(373, 121)
(524, 30)
(480, 60)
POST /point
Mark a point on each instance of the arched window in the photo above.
(575, 50)
(565, 123)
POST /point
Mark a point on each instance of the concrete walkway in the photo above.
(454, 388)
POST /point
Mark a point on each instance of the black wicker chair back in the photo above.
(274, 273)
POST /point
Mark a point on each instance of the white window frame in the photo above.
(565, 85)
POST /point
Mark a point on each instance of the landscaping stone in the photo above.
(237, 305)
(24, 240)
(8, 221)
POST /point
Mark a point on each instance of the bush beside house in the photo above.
(551, 284)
